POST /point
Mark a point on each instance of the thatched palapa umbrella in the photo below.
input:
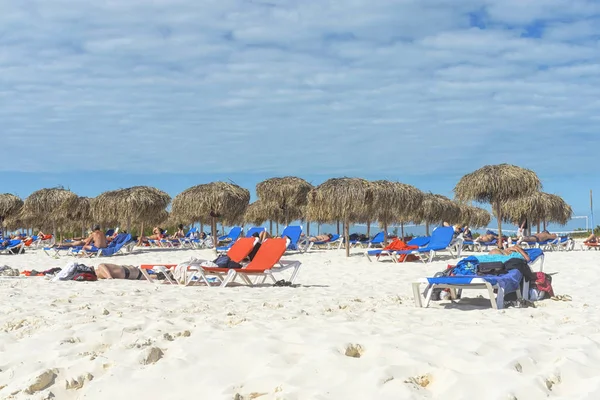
(394, 202)
(436, 209)
(258, 212)
(474, 217)
(341, 199)
(496, 184)
(537, 208)
(138, 204)
(480, 218)
(9, 205)
(289, 193)
(44, 206)
(216, 200)
(76, 212)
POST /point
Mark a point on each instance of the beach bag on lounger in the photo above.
(491, 268)
(466, 266)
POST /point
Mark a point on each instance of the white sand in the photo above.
(289, 343)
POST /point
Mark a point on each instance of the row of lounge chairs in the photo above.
(120, 244)
(265, 264)
(442, 239)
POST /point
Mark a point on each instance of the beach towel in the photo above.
(398, 244)
(76, 272)
(488, 258)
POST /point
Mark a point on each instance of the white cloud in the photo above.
(297, 87)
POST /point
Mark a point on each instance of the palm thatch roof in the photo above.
(474, 217)
(341, 199)
(394, 201)
(78, 208)
(221, 200)
(537, 208)
(289, 193)
(9, 205)
(436, 208)
(259, 211)
(496, 184)
(480, 218)
(138, 204)
(43, 207)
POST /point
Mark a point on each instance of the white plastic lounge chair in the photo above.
(503, 284)
(266, 262)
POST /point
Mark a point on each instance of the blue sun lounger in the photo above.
(11, 245)
(442, 239)
(420, 241)
(118, 244)
(233, 235)
(251, 231)
(294, 233)
(376, 241)
(335, 242)
(503, 284)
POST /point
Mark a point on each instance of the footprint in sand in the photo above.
(552, 380)
(422, 380)
(354, 350)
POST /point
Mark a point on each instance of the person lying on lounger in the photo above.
(539, 237)
(488, 237)
(113, 271)
(321, 238)
(592, 239)
(95, 239)
(510, 250)
(157, 234)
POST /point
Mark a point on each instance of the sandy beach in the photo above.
(129, 339)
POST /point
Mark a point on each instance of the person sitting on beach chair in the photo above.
(539, 237)
(467, 234)
(262, 236)
(114, 271)
(592, 239)
(157, 234)
(180, 234)
(95, 239)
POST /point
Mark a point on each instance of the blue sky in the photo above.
(101, 95)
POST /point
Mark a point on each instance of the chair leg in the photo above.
(499, 303)
(417, 294)
(429, 292)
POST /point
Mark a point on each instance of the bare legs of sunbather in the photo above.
(591, 239)
(508, 251)
(113, 271)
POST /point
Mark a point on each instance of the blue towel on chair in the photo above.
(510, 281)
